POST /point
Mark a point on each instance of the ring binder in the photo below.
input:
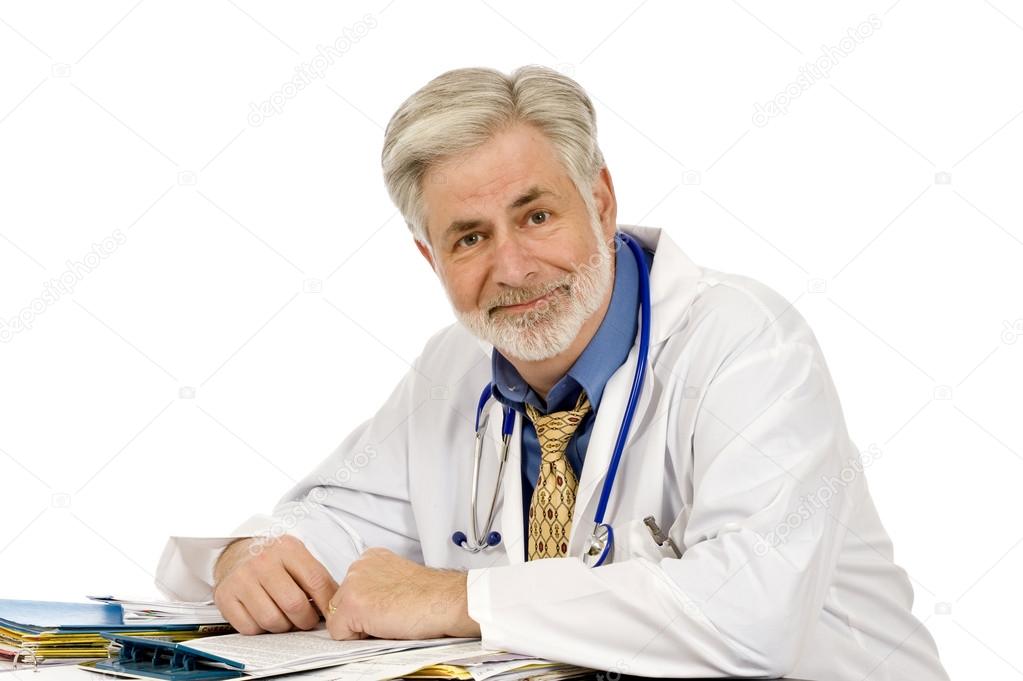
(166, 660)
(35, 634)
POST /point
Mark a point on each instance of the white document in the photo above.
(484, 656)
(301, 650)
(553, 673)
(391, 665)
(497, 668)
(157, 611)
(482, 672)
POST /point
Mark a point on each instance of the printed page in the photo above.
(485, 671)
(297, 650)
(391, 665)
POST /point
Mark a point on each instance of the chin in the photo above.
(511, 354)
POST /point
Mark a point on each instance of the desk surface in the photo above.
(70, 672)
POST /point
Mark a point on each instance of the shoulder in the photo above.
(452, 348)
(735, 316)
(742, 305)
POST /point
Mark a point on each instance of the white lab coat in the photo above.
(738, 449)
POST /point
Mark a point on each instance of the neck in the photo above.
(543, 375)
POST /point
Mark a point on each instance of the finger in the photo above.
(291, 599)
(312, 576)
(239, 617)
(262, 608)
(339, 628)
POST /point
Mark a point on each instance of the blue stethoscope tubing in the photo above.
(601, 540)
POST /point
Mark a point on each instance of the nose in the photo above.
(514, 263)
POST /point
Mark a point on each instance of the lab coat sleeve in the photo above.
(358, 496)
(757, 555)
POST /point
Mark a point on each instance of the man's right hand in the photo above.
(264, 585)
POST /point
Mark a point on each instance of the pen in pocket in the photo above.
(659, 536)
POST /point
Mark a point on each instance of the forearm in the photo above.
(628, 617)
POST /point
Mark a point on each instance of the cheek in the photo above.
(464, 291)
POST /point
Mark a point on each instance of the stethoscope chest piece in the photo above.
(599, 545)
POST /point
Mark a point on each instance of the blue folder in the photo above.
(36, 617)
(41, 631)
(165, 660)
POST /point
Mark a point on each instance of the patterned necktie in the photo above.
(550, 510)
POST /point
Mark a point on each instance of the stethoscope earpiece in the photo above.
(460, 540)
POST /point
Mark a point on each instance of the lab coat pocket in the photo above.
(634, 539)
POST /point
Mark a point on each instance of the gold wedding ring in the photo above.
(331, 608)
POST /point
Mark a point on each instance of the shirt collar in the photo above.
(603, 355)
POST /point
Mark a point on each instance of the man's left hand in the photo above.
(387, 596)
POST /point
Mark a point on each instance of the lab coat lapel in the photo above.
(673, 283)
(509, 515)
(601, 447)
(511, 505)
(672, 289)
(508, 511)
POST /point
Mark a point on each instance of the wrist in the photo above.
(232, 554)
(459, 623)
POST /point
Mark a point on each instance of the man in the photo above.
(765, 555)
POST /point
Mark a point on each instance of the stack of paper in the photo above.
(165, 612)
(236, 655)
(468, 661)
(47, 632)
(271, 654)
(483, 665)
(314, 656)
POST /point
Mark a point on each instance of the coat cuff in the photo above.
(185, 570)
(480, 607)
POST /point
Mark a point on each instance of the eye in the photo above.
(539, 212)
(462, 241)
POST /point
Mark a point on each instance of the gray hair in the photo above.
(463, 109)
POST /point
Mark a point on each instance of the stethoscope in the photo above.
(601, 540)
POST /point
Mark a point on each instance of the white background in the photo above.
(267, 295)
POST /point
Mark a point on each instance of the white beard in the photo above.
(549, 327)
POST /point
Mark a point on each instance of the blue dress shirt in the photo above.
(606, 351)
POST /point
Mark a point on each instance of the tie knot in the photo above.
(565, 422)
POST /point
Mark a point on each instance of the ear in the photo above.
(425, 250)
(607, 204)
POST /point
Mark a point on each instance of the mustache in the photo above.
(519, 296)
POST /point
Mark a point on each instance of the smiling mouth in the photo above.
(528, 305)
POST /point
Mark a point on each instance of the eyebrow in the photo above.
(531, 194)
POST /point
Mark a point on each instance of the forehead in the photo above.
(484, 181)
